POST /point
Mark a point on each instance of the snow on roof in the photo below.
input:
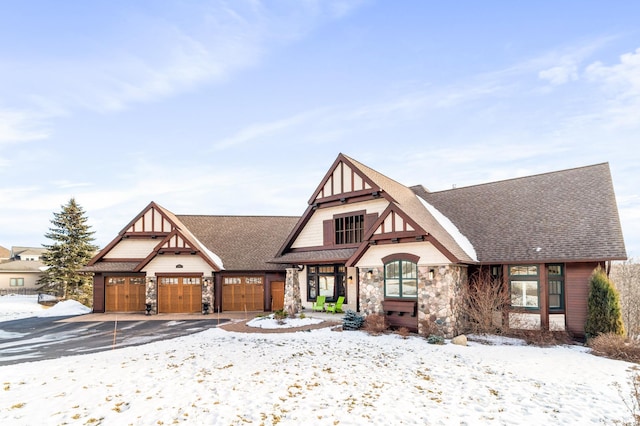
(452, 229)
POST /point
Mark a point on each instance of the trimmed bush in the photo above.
(352, 320)
(603, 306)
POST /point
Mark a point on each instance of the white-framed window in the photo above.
(524, 284)
(16, 282)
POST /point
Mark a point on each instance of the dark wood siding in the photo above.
(98, 293)
(577, 292)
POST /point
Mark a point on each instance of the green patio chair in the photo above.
(318, 305)
(336, 307)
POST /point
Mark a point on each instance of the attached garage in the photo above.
(243, 294)
(179, 294)
(124, 294)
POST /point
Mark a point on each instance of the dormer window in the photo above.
(349, 229)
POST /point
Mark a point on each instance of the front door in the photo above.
(277, 295)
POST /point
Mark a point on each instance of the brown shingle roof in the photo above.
(317, 256)
(111, 267)
(407, 201)
(570, 215)
(244, 243)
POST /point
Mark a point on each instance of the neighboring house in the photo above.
(21, 273)
(400, 251)
(403, 252)
(5, 254)
(174, 263)
(27, 253)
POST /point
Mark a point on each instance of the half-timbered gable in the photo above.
(164, 263)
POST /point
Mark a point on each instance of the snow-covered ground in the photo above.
(320, 377)
(17, 306)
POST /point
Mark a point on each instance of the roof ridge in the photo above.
(238, 215)
(606, 163)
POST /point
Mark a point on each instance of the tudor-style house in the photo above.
(405, 251)
(382, 247)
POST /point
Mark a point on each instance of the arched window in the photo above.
(401, 279)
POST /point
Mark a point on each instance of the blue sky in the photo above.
(214, 107)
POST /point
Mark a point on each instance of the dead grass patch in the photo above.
(614, 346)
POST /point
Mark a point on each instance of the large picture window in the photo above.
(325, 280)
(401, 279)
(349, 229)
(524, 283)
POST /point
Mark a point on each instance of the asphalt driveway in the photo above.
(35, 339)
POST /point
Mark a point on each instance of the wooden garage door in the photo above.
(242, 294)
(124, 294)
(179, 294)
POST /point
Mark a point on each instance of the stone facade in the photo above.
(438, 297)
(207, 294)
(292, 299)
(371, 290)
(151, 294)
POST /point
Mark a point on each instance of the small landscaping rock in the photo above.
(460, 340)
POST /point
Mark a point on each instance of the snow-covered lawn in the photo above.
(321, 377)
(14, 306)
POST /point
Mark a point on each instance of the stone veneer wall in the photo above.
(151, 294)
(371, 290)
(207, 292)
(292, 300)
(438, 298)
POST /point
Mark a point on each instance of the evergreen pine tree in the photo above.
(70, 251)
(603, 306)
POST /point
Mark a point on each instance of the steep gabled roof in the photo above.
(568, 215)
(365, 182)
(407, 201)
(156, 221)
(245, 243)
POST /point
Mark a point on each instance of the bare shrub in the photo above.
(483, 303)
(626, 277)
(375, 324)
(539, 337)
(614, 346)
(430, 328)
(403, 332)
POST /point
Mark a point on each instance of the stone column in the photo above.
(371, 290)
(292, 300)
(207, 294)
(151, 294)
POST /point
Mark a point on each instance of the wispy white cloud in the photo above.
(20, 126)
(163, 56)
(259, 130)
(560, 74)
(621, 83)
